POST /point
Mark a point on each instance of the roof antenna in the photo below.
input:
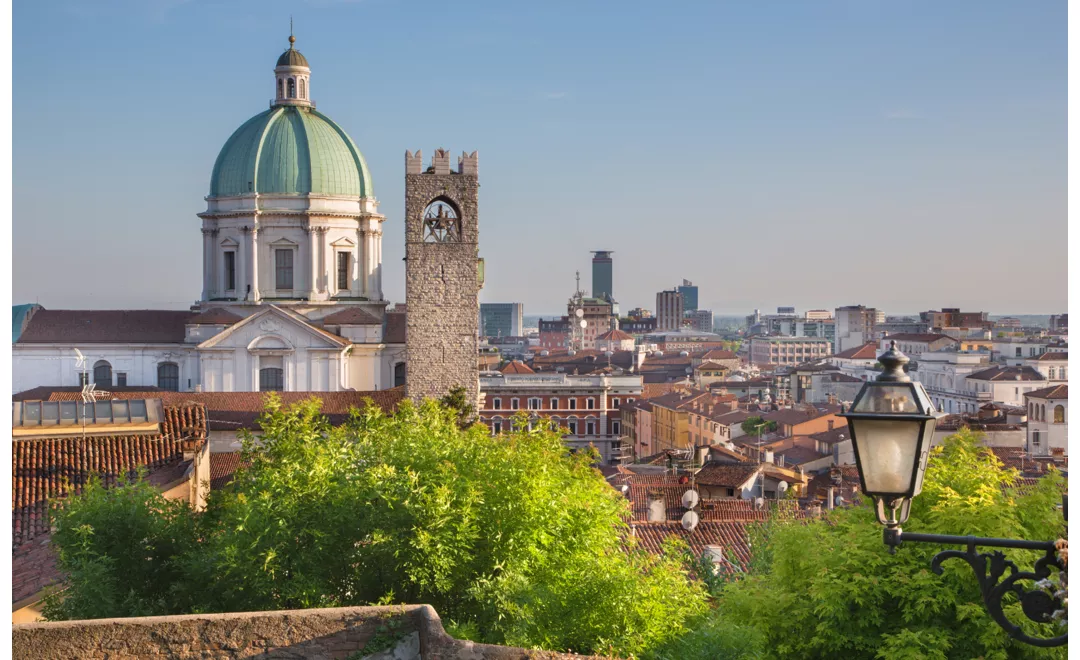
(292, 39)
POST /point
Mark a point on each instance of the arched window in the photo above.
(303, 89)
(280, 89)
(168, 377)
(292, 88)
(102, 374)
(399, 374)
(1059, 414)
(271, 379)
(1042, 412)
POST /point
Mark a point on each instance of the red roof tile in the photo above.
(1052, 392)
(864, 352)
(222, 467)
(1007, 374)
(717, 354)
(216, 316)
(731, 536)
(76, 326)
(614, 335)
(394, 331)
(726, 475)
(351, 316)
(516, 367)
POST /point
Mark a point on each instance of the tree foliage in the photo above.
(512, 538)
(756, 424)
(830, 589)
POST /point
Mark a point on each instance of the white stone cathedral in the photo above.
(292, 277)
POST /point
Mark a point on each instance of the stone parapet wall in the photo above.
(404, 632)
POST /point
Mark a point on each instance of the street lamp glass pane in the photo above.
(888, 453)
(887, 399)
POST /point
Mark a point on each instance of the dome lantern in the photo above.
(292, 77)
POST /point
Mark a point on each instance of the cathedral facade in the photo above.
(292, 277)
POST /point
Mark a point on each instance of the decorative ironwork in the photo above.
(1043, 604)
(441, 223)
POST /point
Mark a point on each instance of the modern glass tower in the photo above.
(601, 275)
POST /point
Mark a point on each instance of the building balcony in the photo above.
(958, 394)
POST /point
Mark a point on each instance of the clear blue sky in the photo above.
(774, 152)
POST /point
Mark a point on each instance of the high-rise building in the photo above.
(855, 325)
(602, 283)
(785, 311)
(669, 310)
(701, 320)
(689, 295)
(501, 319)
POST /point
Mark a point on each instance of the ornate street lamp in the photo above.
(892, 425)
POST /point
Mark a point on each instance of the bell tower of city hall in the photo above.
(443, 276)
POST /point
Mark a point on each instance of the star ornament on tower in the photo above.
(892, 422)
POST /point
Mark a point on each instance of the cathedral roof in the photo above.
(290, 149)
(135, 326)
(351, 316)
(292, 57)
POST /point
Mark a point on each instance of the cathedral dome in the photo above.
(290, 149)
(292, 57)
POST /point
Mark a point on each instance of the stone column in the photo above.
(207, 258)
(377, 265)
(242, 252)
(358, 267)
(312, 262)
(253, 268)
(215, 277)
(324, 284)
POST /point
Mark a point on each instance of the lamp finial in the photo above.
(893, 361)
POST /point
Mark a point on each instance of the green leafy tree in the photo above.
(755, 425)
(457, 399)
(830, 589)
(512, 538)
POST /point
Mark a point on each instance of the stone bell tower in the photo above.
(443, 274)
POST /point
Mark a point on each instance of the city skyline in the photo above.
(785, 155)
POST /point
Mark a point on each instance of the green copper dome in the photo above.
(290, 149)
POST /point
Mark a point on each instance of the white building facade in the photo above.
(1048, 420)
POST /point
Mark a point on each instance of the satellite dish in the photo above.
(759, 502)
(583, 323)
(625, 489)
(690, 520)
(545, 353)
(608, 353)
(579, 313)
(839, 500)
(571, 352)
(690, 499)
(782, 486)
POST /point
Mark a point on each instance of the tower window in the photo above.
(292, 88)
(280, 93)
(168, 376)
(343, 271)
(230, 270)
(303, 89)
(284, 269)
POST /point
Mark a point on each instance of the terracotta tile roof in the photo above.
(653, 390)
(864, 352)
(516, 367)
(1052, 392)
(222, 467)
(1053, 356)
(732, 536)
(394, 330)
(792, 416)
(1007, 374)
(231, 411)
(1029, 466)
(76, 326)
(717, 354)
(711, 365)
(46, 470)
(797, 455)
(42, 469)
(351, 316)
(614, 335)
(721, 454)
(726, 475)
(678, 400)
(838, 434)
(215, 316)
